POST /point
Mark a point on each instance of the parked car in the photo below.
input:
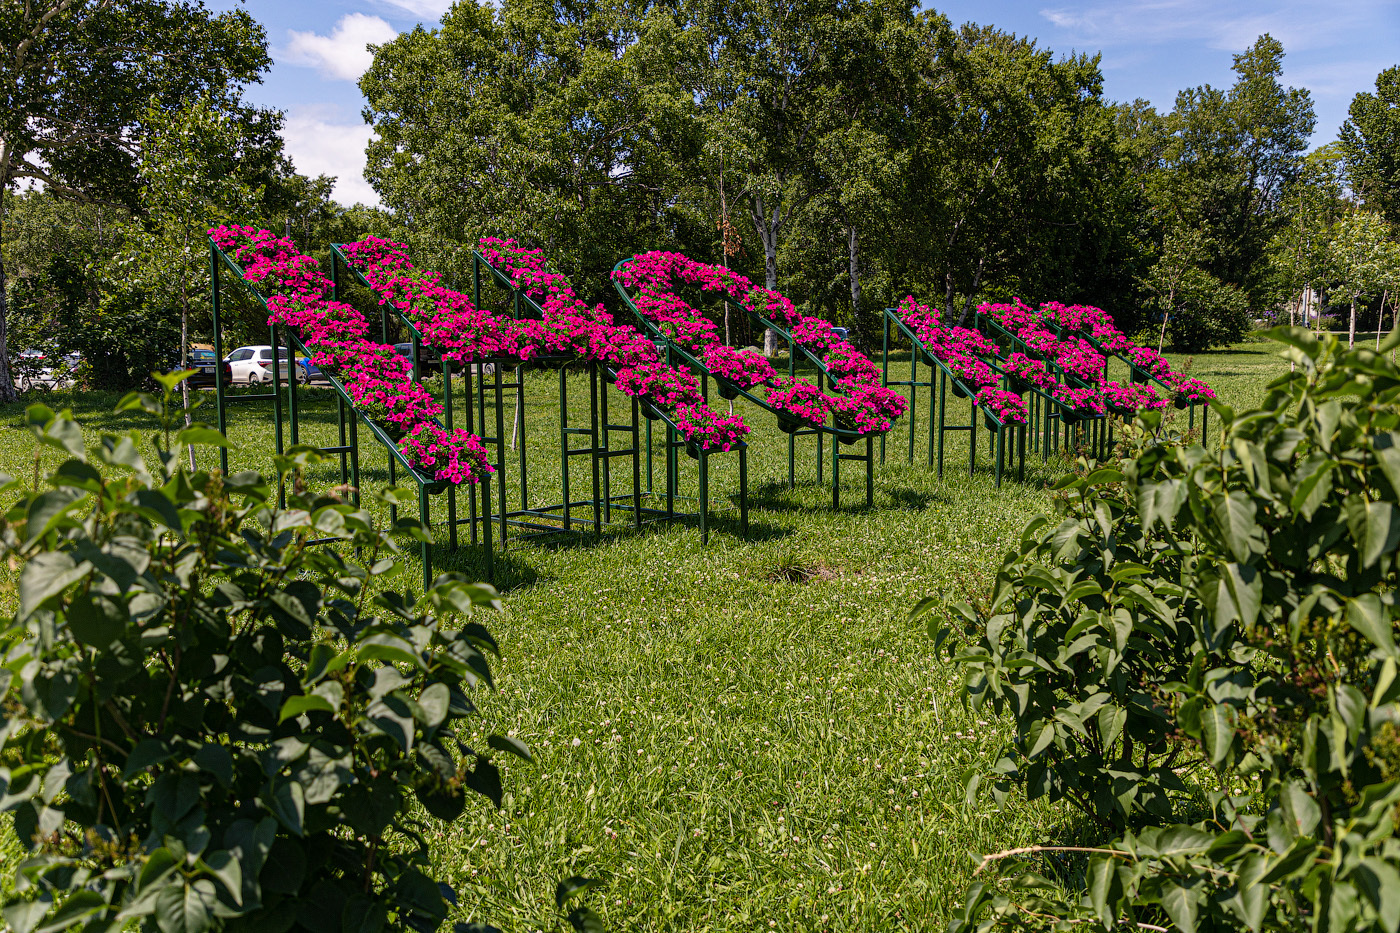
(431, 360)
(253, 365)
(202, 360)
(310, 372)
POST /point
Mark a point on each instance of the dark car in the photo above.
(431, 361)
(310, 372)
(205, 364)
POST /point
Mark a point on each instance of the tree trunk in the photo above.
(768, 235)
(976, 281)
(7, 380)
(1351, 329)
(1380, 318)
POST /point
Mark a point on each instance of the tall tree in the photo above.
(1370, 139)
(558, 123)
(189, 181)
(76, 77)
(1233, 157)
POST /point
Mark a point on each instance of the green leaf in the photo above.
(434, 702)
(1235, 517)
(96, 620)
(24, 916)
(146, 754)
(1297, 856)
(1218, 733)
(1111, 719)
(1382, 532)
(224, 867)
(296, 706)
(570, 888)
(1104, 888)
(1180, 905)
(46, 575)
(207, 437)
(584, 920)
(287, 802)
(511, 745)
(1366, 615)
(1383, 890)
(49, 509)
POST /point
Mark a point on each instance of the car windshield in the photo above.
(202, 356)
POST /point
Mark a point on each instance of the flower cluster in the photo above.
(801, 400)
(459, 331)
(963, 352)
(654, 279)
(1098, 323)
(1030, 371)
(1005, 406)
(744, 368)
(1087, 319)
(1131, 398)
(373, 375)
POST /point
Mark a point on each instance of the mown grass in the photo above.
(746, 736)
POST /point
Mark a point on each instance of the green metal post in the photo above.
(452, 489)
(218, 353)
(942, 415)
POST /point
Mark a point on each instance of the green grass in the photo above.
(746, 736)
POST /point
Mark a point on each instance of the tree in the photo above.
(555, 123)
(189, 183)
(1361, 256)
(1299, 248)
(1232, 158)
(76, 77)
(1370, 140)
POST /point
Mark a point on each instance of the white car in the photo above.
(253, 365)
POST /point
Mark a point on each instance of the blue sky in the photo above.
(1151, 49)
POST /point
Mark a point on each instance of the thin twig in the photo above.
(1030, 850)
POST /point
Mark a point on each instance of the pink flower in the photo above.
(654, 279)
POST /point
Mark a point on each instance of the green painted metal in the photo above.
(1137, 374)
(675, 354)
(941, 381)
(1094, 437)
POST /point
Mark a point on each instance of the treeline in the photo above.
(848, 153)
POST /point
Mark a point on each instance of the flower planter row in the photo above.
(863, 407)
(450, 324)
(375, 378)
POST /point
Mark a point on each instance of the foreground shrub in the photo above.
(1229, 612)
(208, 723)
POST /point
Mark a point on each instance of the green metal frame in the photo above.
(1140, 375)
(674, 351)
(350, 419)
(1099, 429)
(938, 395)
(598, 432)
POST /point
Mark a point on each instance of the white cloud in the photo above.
(427, 9)
(319, 146)
(1220, 24)
(342, 54)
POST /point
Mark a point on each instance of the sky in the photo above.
(1150, 49)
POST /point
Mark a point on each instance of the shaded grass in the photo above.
(733, 742)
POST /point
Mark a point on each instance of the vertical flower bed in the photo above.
(863, 406)
(1099, 324)
(964, 351)
(373, 375)
(459, 331)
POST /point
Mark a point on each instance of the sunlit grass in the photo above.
(732, 744)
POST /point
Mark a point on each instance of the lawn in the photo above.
(746, 736)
